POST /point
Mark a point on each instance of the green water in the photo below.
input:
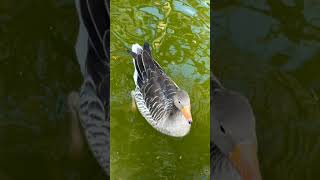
(269, 51)
(38, 69)
(179, 36)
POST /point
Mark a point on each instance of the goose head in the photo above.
(181, 101)
(233, 132)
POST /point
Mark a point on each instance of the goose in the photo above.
(160, 101)
(90, 106)
(233, 142)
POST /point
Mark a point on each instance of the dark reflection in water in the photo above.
(269, 51)
(38, 69)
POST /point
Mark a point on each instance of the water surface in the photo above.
(178, 33)
(38, 69)
(269, 51)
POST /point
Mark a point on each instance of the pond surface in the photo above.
(179, 34)
(38, 69)
(270, 51)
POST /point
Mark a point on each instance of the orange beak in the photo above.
(187, 113)
(245, 160)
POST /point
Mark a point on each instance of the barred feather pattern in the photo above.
(143, 108)
(94, 122)
(154, 94)
(156, 97)
(154, 118)
(92, 49)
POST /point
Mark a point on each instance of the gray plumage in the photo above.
(221, 167)
(155, 92)
(155, 88)
(232, 123)
(94, 122)
(92, 55)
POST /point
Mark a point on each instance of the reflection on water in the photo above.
(37, 71)
(178, 33)
(269, 51)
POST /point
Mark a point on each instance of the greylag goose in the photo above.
(233, 142)
(91, 105)
(161, 102)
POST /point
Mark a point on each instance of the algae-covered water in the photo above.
(179, 35)
(269, 51)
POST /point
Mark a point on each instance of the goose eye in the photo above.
(222, 129)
